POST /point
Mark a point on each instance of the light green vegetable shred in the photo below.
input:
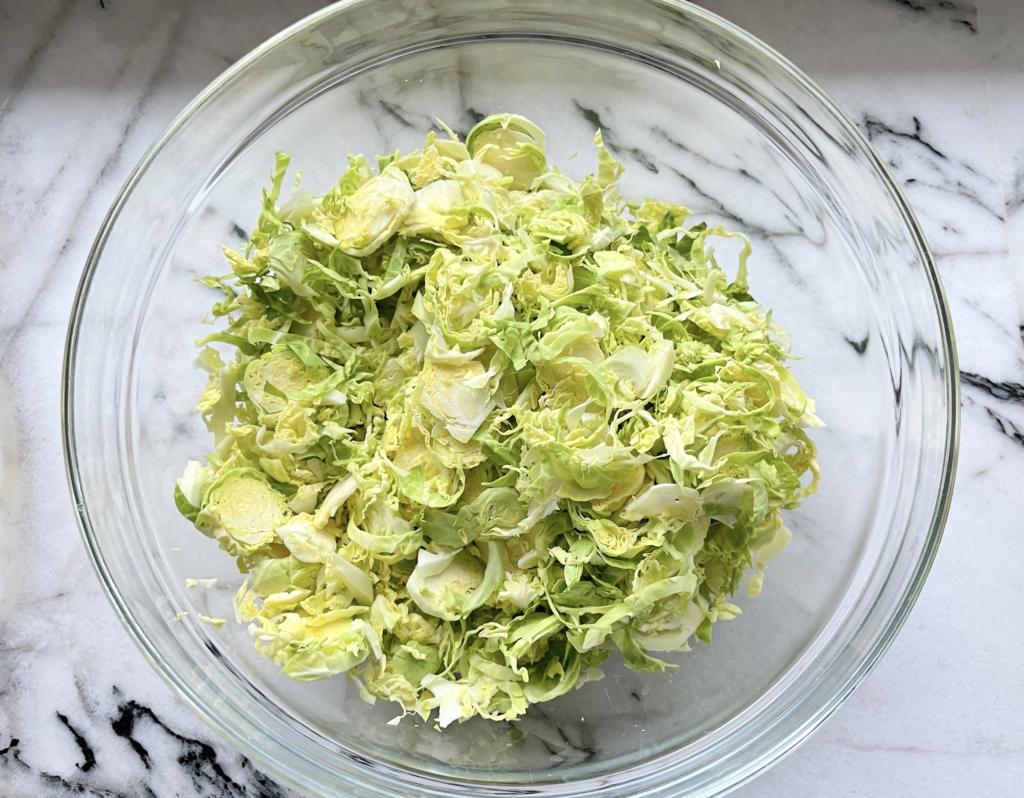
(486, 425)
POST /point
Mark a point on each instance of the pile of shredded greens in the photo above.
(486, 425)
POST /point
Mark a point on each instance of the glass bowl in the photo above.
(700, 113)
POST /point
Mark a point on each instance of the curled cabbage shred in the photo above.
(485, 426)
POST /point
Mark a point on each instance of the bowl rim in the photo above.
(885, 637)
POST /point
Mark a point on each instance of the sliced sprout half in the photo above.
(242, 511)
(511, 144)
(451, 585)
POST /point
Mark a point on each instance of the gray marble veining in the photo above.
(938, 87)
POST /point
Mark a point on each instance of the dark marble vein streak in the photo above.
(1006, 427)
(612, 142)
(83, 745)
(875, 129)
(790, 215)
(963, 16)
(196, 758)
(1015, 194)
(1004, 391)
(12, 755)
(396, 112)
(858, 346)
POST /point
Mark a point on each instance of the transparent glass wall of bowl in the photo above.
(699, 114)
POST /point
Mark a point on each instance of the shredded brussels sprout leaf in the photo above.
(485, 425)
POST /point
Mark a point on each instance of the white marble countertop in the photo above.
(86, 85)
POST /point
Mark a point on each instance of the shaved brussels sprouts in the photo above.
(486, 425)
